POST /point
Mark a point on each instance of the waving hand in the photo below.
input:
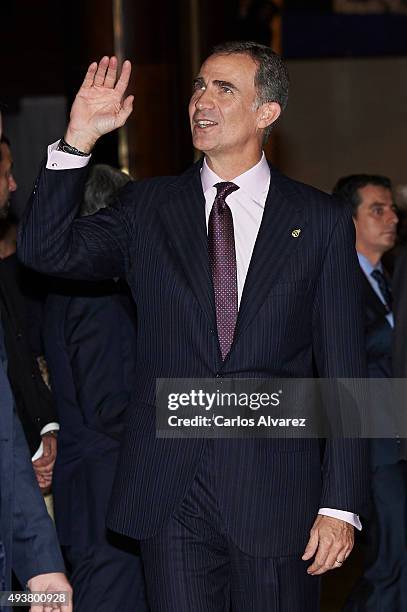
(100, 106)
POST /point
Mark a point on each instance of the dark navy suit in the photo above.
(400, 312)
(301, 308)
(383, 585)
(90, 344)
(28, 542)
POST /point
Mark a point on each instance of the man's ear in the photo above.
(268, 113)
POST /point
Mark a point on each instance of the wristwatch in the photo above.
(67, 148)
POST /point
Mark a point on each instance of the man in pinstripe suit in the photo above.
(223, 524)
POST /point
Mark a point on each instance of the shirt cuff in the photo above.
(46, 429)
(49, 427)
(348, 517)
(59, 160)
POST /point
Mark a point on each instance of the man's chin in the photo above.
(202, 143)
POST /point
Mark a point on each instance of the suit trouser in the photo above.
(193, 566)
(383, 586)
(106, 576)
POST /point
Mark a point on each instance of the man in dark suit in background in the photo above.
(265, 285)
(34, 402)
(400, 314)
(90, 347)
(28, 542)
(384, 582)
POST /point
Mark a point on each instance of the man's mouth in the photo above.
(205, 123)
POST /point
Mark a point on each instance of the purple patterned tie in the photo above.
(222, 258)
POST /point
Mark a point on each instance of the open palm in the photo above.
(100, 106)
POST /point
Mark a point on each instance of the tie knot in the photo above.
(224, 189)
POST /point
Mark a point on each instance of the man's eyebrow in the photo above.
(377, 203)
(199, 80)
(225, 84)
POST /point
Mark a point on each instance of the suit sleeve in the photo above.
(100, 341)
(399, 308)
(35, 544)
(52, 240)
(339, 352)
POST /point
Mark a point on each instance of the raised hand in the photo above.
(100, 106)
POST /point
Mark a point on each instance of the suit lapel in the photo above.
(184, 219)
(275, 242)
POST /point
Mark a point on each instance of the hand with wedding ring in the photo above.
(331, 541)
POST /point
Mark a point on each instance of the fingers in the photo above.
(90, 75)
(111, 73)
(125, 111)
(44, 464)
(101, 71)
(324, 561)
(44, 482)
(312, 546)
(336, 557)
(104, 74)
(329, 556)
(124, 78)
(318, 566)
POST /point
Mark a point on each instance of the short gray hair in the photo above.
(101, 188)
(271, 79)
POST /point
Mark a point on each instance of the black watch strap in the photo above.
(67, 148)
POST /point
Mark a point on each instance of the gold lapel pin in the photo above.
(295, 233)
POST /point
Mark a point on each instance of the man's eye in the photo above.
(226, 89)
(198, 86)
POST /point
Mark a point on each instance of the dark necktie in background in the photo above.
(222, 258)
(384, 287)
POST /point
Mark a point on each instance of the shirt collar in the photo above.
(367, 266)
(255, 181)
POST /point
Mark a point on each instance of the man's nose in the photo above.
(205, 100)
(392, 218)
(12, 185)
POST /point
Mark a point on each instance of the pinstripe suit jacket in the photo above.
(301, 308)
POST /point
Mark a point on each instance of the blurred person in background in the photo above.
(90, 348)
(383, 585)
(28, 542)
(400, 313)
(21, 325)
(400, 335)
